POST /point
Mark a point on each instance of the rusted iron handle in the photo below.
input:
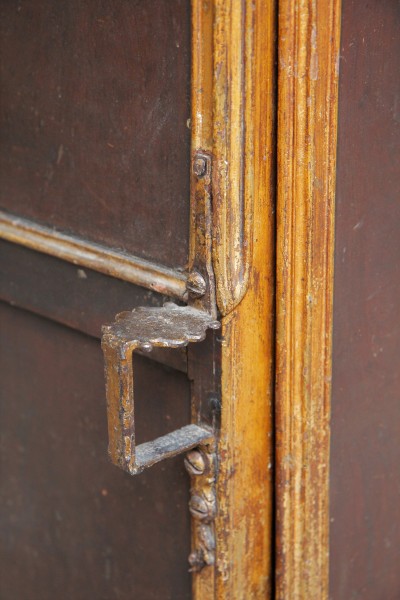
(171, 326)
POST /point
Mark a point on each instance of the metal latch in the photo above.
(171, 326)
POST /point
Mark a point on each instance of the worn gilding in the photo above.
(307, 122)
(233, 148)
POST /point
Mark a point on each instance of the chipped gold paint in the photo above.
(233, 148)
(233, 118)
(307, 124)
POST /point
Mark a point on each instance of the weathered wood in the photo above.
(233, 148)
(233, 120)
(72, 523)
(245, 487)
(95, 99)
(203, 580)
(307, 119)
(37, 282)
(233, 54)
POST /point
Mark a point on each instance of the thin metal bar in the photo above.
(172, 444)
(93, 256)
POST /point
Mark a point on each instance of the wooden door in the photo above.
(95, 144)
(105, 108)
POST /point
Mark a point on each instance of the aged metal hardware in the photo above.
(201, 465)
(171, 326)
(200, 281)
(196, 285)
(200, 166)
(195, 462)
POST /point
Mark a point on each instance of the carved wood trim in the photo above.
(245, 486)
(307, 122)
(93, 256)
(233, 120)
(233, 148)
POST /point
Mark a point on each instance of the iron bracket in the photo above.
(171, 326)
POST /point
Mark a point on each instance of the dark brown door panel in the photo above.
(71, 524)
(365, 436)
(72, 295)
(95, 99)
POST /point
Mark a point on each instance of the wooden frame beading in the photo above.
(308, 60)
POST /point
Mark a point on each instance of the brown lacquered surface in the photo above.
(365, 449)
(77, 297)
(95, 98)
(72, 525)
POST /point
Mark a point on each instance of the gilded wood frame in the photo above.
(233, 118)
(308, 59)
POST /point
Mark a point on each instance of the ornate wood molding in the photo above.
(245, 487)
(233, 120)
(93, 256)
(307, 122)
(233, 148)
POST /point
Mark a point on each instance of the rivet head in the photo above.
(199, 166)
(196, 561)
(199, 508)
(195, 462)
(195, 284)
(146, 347)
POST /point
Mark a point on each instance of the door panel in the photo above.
(72, 525)
(365, 451)
(38, 282)
(95, 98)
(95, 144)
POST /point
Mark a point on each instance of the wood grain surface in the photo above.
(308, 54)
(245, 485)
